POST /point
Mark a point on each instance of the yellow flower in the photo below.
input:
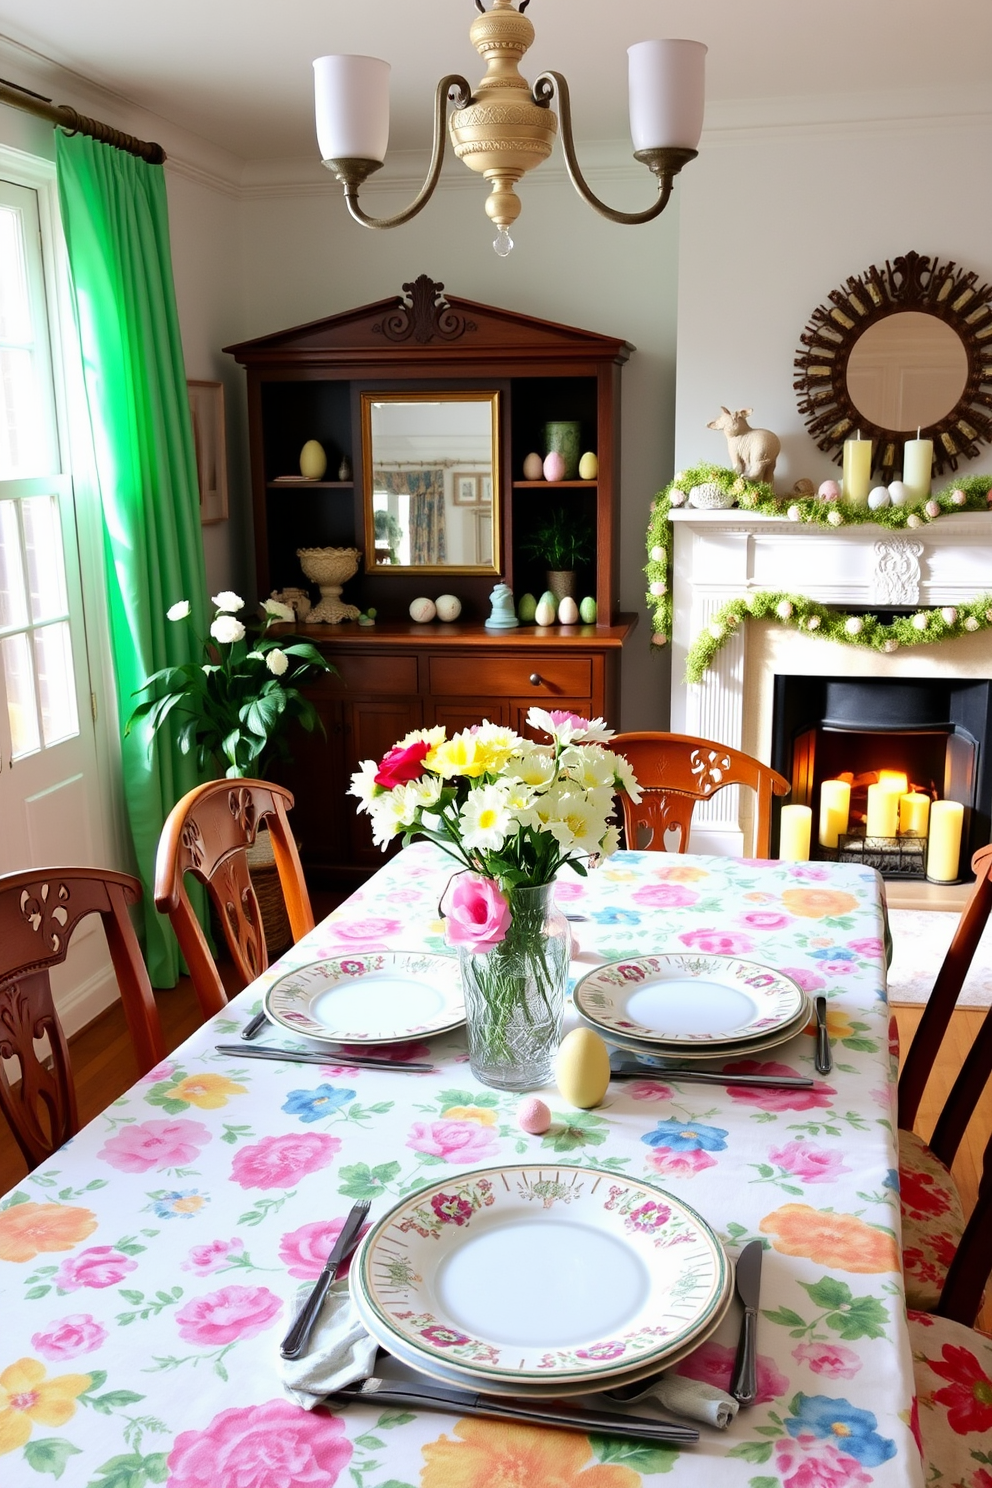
(27, 1398)
(188, 1204)
(838, 1025)
(206, 1091)
(27, 1229)
(680, 873)
(458, 756)
(494, 1455)
(618, 875)
(483, 1115)
(817, 904)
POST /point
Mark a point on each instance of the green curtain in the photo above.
(116, 225)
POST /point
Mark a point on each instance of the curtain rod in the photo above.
(75, 123)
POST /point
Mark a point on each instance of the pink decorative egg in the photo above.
(554, 467)
(829, 491)
(533, 1116)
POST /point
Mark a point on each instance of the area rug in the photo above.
(919, 940)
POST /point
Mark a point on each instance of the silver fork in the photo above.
(294, 1345)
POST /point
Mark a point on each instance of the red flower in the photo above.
(921, 1195)
(399, 766)
(968, 1397)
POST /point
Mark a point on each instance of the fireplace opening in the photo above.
(928, 736)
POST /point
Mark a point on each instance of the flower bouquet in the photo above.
(512, 812)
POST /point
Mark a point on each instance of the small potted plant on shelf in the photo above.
(563, 542)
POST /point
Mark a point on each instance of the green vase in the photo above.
(565, 437)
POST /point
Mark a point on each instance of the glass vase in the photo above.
(515, 994)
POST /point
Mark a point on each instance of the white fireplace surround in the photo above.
(724, 555)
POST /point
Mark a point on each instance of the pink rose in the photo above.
(69, 1337)
(455, 1141)
(206, 1258)
(568, 889)
(305, 1250)
(808, 980)
(838, 968)
(365, 930)
(664, 896)
(160, 1072)
(279, 1162)
(400, 765)
(714, 1364)
(233, 1312)
(811, 872)
(803, 1099)
(276, 1445)
(649, 1090)
(870, 946)
(680, 1164)
(831, 1359)
(155, 1144)
(807, 1462)
(717, 942)
(478, 915)
(99, 1266)
(808, 1163)
(764, 919)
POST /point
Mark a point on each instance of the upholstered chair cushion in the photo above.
(953, 1369)
(932, 1221)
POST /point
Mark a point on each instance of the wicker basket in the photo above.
(268, 891)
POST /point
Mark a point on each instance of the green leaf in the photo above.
(126, 1471)
(97, 1380)
(359, 1181)
(157, 1466)
(49, 1454)
(763, 1483)
(34, 1293)
(640, 1456)
(114, 1399)
(466, 1098)
(369, 1442)
(136, 1297)
(18, 1197)
(865, 1318)
(828, 1292)
(784, 1316)
(389, 1419)
(756, 1452)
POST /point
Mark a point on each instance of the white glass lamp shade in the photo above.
(351, 96)
(666, 81)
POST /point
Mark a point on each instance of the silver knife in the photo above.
(743, 1385)
(252, 1029)
(295, 1343)
(824, 1059)
(429, 1396)
(310, 1056)
(631, 1069)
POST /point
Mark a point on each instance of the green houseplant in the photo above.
(563, 542)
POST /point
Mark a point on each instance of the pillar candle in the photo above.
(883, 811)
(794, 834)
(944, 852)
(856, 479)
(917, 463)
(835, 809)
(914, 814)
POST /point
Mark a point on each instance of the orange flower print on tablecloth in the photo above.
(493, 1455)
(209, 1092)
(818, 904)
(484, 1115)
(27, 1229)
(28, 1399)
(841, 1241)
(680, 873)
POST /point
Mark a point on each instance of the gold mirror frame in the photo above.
(431, 395)
(910, 282)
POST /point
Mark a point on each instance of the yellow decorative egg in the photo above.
(582, 1068)
(588, 466)
(313, 461)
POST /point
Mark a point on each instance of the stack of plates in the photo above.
(683, 1006)
(379, 997)
(540, 1281)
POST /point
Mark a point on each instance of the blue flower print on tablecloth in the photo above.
(837, 960)
(681, 1149)
(313, 1105)
(177, 1203)
(614, 916)
(838, 1421)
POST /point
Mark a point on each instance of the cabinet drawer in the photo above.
(361, 675)
(511, 676)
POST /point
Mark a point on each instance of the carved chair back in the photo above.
(207, 834)
(675, 771)
(39, 912)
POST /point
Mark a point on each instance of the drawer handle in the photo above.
(536, 679)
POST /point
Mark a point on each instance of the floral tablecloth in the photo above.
(149, 1270)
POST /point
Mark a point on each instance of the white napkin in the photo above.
(687, 1397)
(340, 1350)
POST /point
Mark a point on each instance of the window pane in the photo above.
(15, 306)
(23, 437)
(43, 557)
(13, 596)
(21, 708)
(56, 687)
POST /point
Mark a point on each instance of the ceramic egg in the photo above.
(878, 499)
(932, 509)
(554, 467)
(527, 609)
(568, 611)
(587, 610)
(899, 493)
(959, 497)
(829, 490)
(533, 1116)
(582, 1068)
(588, 466)
(313, 461)
(533, 466)
(422, 610)
(448, 606)
(547, 609)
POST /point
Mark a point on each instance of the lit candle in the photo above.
(914, 814)
(794, 834)
(917, 464)
(895, 780)
(835, 809)
(883, 811)
(944, 852)
(856, 479)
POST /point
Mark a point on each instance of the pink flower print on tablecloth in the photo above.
(803, 1099)
(809, 1163)
(212, 1257)
(713, 1363)
(869, 946)
(808, 1462)
(455, 1141)
(155, 1144)
(160, 1072)
(763, 919)
(717, 942)
(808, 980)
(274, 1445)
(679, 1164)
(279, 1162)
(222, 1317)
(649, 1090)
(99, 1266)
(832, 1360)
(69, 1337)
(355, 932)
(567, 890)
(811, 872)
(664, 896)
(305, 1250)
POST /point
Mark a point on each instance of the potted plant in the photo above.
(563, 542)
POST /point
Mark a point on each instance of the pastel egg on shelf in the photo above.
(554, 467)
(568, 611)
(588, 466)
(547, 609)
(313, 460)
(533, 467)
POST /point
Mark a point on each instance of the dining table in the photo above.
(149, 1270)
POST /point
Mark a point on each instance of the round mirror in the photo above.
(907, 371)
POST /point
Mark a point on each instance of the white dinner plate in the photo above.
(708, 1053)
(541, 1274)
(377, 997)
(687, 999)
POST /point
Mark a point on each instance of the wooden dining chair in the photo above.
(933, 1220)
(207, 834)
(675, 771)
(39, 912)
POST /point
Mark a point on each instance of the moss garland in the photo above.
(757, 497)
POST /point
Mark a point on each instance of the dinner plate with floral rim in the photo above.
(501, 1271)
(707, 1053)
(688, 999)
(380, 997)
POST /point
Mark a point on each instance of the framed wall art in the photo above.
(206, 406)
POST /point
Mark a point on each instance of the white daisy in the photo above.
(484, 819)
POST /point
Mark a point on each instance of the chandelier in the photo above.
(505, 128)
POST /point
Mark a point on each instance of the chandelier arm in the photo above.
(458, 89)
(664, 163)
